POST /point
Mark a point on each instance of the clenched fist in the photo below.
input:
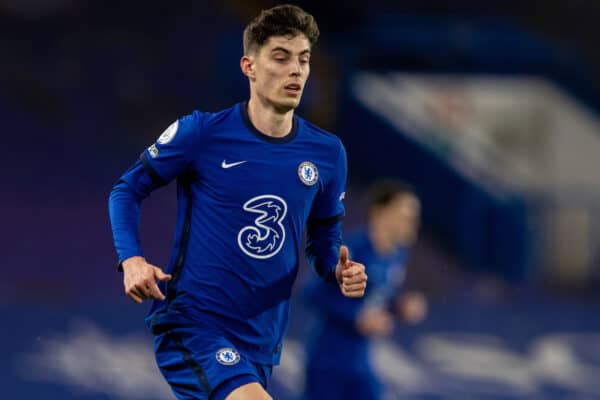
(350, 275)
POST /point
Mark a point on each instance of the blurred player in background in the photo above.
(338, 364)
(250, 179)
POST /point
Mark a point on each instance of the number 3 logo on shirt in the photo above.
(265, 238)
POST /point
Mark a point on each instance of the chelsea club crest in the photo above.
(308, 173)
(227, 356)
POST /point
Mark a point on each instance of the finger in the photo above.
(344, 255)
(354, 269)
(160, 275)
(358, 281)
(357, 293)
(350, 280)
(355, 286)
(143, 290)
(134, 296)
(154, 292)
(354, 294)
(135, 290)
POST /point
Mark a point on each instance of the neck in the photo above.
(268, 120)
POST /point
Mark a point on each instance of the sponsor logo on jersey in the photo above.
(169, 133)
(266, 236)
(308, 173)
(227, 356)
(153, 150)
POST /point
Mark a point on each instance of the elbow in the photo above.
(119, 189)
(120, 194)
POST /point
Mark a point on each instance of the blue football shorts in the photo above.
(203, 365)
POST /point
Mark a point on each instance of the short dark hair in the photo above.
(279, 21)
(382, 192)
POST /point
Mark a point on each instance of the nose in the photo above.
(296, 68)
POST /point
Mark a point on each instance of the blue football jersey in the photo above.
(244, 200)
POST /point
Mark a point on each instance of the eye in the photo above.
(280, 57)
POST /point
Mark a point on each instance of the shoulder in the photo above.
(318, 134)
(197, 125)
(203, 119)
(211, 119)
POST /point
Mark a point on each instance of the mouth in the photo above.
(293, 89)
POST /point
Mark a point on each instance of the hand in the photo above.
(140, 278)
(412, 307)
(375, 322)
(350, 275)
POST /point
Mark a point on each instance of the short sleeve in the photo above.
(172, 152)
(330, 202)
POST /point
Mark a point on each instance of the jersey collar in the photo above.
(284, 139)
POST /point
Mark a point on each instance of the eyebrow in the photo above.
(307, 51)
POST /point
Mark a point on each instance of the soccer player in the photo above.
(250, 178)
(338, 364)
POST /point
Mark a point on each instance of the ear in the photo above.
(247, 66)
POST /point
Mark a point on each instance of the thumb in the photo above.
(160, 275)
(344, 256)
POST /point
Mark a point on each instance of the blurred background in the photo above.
(490, 109)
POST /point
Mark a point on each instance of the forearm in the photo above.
(124, 209)
(322, 248)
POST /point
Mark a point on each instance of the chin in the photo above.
(286, 105)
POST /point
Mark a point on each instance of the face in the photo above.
(278, 71)
(401, 216)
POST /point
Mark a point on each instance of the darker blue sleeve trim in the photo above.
(316, 222)
(156, 178)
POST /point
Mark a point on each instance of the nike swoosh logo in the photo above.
(225, 165)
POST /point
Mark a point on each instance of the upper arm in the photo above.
(329, 202)
(324, 229)
(173, 151)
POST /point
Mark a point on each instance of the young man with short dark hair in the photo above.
(250, 178)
